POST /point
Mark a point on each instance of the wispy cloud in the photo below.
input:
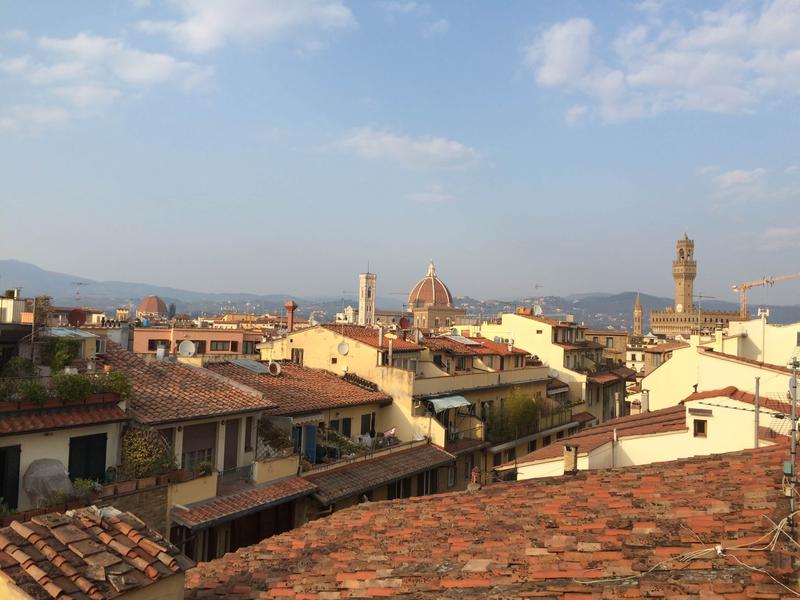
(729, 60)
(207, 25)
(375, 144)
(739, 177)
(84, 74)
(435, 28)
(432, 194)
(781, 238)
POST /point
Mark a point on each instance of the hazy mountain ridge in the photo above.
(595, 309)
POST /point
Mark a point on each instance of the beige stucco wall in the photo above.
(55, 444)
(10, 591)
(275, 468)
(169, 588)
(759, 340)
(198, 489)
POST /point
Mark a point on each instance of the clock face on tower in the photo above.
(679, 307)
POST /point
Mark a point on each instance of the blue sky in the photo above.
(278, 146)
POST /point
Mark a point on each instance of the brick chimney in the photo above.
(290, 307)
(570, 459)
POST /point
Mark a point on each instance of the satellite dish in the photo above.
(187, 348)
(274, 368)
(76, 317)
(343, 348)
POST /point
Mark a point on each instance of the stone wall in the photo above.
(149, 504)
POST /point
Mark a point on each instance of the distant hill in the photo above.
(595, 309)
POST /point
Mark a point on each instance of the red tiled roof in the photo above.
(657, 421)
(601, 378)
(746, 361)
(612, 332)
(583, 417)
(28, 417)
(492, 347)
(666, 347)
(299, 389)
(482, 347)
(608, 534)
(153, 305)
(224, 508)
(555, 383)
(369, 336)
(86, 553)
(365, 474)
(580, 345)
(166, 391)
(445, 344)
(734, 393)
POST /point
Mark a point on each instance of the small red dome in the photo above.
(153, 305)
(430, 291)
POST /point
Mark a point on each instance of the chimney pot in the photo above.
(290, 307)
(570, 459)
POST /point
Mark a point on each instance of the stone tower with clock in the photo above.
(684, 270)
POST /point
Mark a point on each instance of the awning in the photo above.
(308, 419)
(442, 404)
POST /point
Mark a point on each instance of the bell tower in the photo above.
(684, 270)
(367, 282)
(637, 316)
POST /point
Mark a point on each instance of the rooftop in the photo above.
(29, 417)
(657, 421)
(647, 531)
(165, 391)
(734, 393)
(666, 347)
(363, 474)
(299, 389)
(88, 553)
(370, 336)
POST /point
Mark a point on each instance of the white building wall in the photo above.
(759, 340)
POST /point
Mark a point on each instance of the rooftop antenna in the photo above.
(700, 298)
(78, 285)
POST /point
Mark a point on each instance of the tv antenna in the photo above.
(78, 285)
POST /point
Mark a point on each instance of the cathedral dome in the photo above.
(430, 291)
(153, 305)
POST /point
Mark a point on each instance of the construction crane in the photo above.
(765, 282)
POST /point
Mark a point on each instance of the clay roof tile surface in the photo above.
(370, 336)
(72, 555)
(165, 391)
(300, 390)
(16, 418)
(607, 534)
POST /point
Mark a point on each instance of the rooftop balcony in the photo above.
(432, 386)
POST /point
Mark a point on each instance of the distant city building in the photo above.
(637, 316)
(684, 318)
(366, 298)
(152, 307)
(431, 303)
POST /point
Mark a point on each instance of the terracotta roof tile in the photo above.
(86, 553)
(365, 474)
(299, 389)
(609, 534)
(666, 347)
(369, 336)
(225, 508)
(657, 421)
(166, 391)
(746, 361)
(734, 393)
(27, 418)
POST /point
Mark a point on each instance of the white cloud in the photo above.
(209, 24)
(738, 177)
(15, 35)
(781, 238)
(576, 113)
(26, 116)
(420, 151)
(433, 194)
(405, 8)
(85, 74)
(730, 60)
(434, 28)
(792, 170)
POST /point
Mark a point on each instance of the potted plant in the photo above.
(203, 469)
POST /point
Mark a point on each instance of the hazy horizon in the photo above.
(278, 147)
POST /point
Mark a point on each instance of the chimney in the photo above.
(380, 338)
(617, 405)
(570, 459)
(636, 407)
(391, 347)
(290, 307)
(645, 401)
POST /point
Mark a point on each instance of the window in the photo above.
(248, 347)
(461, 363)
(559, 435)
(436, 323)
(545, 441)
(451, 476)
(219, 346)
(347, 426)
(489, 361)
(297, 356)
(595, 339)
(467, 467)
(366, 422)
(609, 342)
(531, 445)
(497, 459)
(334, 425)
(9, 475)
(248, 434)
(87, 457)
(234, 346)
(153, 345)
(400, 489)
(538, 331)
(700, 428)
(190, 460)
(512, 454)
(334, 360)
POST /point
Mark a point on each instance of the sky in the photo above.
(281, 146)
